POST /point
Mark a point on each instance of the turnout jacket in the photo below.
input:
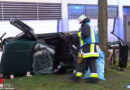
(88, 41)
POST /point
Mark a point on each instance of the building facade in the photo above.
(47, 16)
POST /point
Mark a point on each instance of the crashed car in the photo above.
(39, 54)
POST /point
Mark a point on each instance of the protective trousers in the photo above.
(83, 66)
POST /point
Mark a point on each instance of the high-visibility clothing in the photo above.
(93, 75)
(89, 51)
(88, 44)
(79, 74)
(91, 39)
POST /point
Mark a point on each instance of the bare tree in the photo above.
(102, 24)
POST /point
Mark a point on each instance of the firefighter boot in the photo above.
(74, 78)
(92, 80)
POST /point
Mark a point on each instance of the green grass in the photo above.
(115, 80)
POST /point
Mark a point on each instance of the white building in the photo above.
(47, 16)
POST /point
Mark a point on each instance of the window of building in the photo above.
(75, 10)
(112, 11)
(91, 11)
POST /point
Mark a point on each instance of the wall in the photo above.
(50, 26)
(47, 1)
(82, 1)
(126, 2)
(42, 26)
(110, 2)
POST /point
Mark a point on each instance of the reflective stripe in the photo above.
(90, 55)
(93, 32)
(92, 35)
(91, 48)
(78, 74)
(79, 34)
(92, 52)
(81, 41)
(84, 54)
(93, 75)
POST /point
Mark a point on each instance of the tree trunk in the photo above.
(102, 25)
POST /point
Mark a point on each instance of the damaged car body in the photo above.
(37, 53)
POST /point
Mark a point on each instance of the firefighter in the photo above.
(87, 54)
